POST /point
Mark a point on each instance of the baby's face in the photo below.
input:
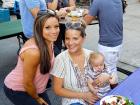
(98, 64)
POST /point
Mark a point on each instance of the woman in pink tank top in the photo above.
(26, 83)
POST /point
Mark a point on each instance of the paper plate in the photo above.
(115, 100)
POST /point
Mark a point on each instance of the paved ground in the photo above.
(130, 58)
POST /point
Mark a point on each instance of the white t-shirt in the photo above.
(73, 80)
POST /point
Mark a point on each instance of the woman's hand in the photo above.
(41, 101)
(85, 12)
(95, 90)
(90, 97)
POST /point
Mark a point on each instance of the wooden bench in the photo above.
(11, 29)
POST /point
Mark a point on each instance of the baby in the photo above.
(99, 77)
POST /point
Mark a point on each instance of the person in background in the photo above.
(26, 83)
(63, 6)
(110, 29)
(1, 2)
(7, 3)
(99, 77)
(69, 79)
(16, 9)
(28, 12)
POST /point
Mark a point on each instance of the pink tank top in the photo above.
(14, 79)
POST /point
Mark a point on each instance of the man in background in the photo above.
(28, 12)
(110, 17)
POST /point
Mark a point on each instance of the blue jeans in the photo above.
(76, 103)
(22, 98)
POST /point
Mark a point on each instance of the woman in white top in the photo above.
(69, 68)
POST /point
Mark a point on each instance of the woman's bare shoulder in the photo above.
(29, 42)
(31, 52)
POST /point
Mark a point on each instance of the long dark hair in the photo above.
(39, 23)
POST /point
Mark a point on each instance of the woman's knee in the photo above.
(19, 98)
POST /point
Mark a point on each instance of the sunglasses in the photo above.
(79, 25)
(46, 12)
(69, 24)
(73, 25)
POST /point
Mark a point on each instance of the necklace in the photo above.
(80, 76)
(79, 71)
(78, 60)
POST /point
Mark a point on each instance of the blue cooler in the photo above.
(4, 15)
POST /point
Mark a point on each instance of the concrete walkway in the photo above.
(130, 57)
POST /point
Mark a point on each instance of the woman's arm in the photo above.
(92, 86)
(63, 11)
(34, 11)
(52, 5)
(61, 91)
(71, 5)
(31, 60)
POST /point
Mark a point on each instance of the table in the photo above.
(94, 22)
(130, 88)
(11, 29)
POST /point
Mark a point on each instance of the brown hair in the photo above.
(81, 28)
(39, 23)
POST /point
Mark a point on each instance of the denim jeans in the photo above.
(22, 98)
(77, 103)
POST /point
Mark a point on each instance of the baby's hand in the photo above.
(103, 78)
